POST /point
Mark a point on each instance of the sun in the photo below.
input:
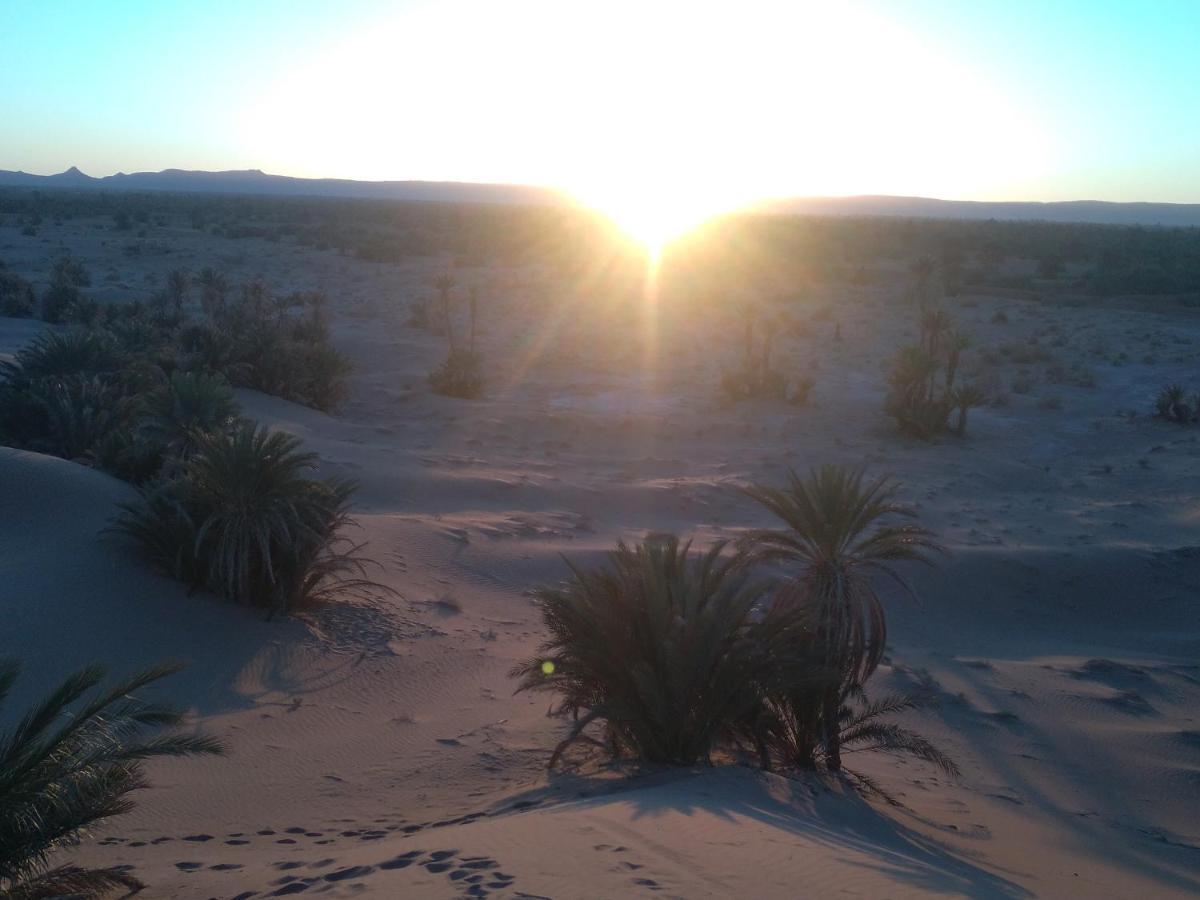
(655, 213)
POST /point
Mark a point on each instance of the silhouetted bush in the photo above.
(243, 518)
(656, 645)
(1174, 405)
(461, 375)
(17, 299)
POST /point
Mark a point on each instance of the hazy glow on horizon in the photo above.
(658, 112)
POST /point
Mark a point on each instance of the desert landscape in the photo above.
(374, 740)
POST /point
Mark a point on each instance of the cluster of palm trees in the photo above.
(678, 654)
(922, 387)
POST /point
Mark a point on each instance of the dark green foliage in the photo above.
(755, 378)
(921, 385)
(79, 413)
(657, 645)
(274, 345)
(460, 375)
(842, 531)
(71, 763)
(1174, 405)
(17, 299)
(60, 354)
(190, 405)
(964, 399)
(244, 518)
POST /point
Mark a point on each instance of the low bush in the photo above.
(678, 654)
(921, 384)
(243, 518)
(17, 299)
(654, 644)
(1174, 405)
(460, 375)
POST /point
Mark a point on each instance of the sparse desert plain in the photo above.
(375, 745)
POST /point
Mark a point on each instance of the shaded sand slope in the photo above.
(73, 596)
(376, 747)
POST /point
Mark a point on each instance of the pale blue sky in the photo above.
(1055, 99)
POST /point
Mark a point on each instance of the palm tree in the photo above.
(964, 399)
(63, 770)
(188, 405)
(957, 342)
(245, 519)
(841, 531)
(177, 288)
(658, 644)
(213, 291)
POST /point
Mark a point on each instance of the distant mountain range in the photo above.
(1087, 211)
(254, 181)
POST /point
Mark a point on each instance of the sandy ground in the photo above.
(377, 747)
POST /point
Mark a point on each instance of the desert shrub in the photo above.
(460, 375)
(60, 354)
(270, 344)
(921, 383)
(841, 530)
(125, 454)
(67, 276)
(188, 406)
(17, 299)
(1023, 383)
(964, 399)
(1174, 405)
(71, 763)
(914, 398)
(57, 300)
(79, 413)
(655, 644)
(755, 377)
(243, 518)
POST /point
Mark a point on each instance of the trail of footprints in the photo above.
(477, 876)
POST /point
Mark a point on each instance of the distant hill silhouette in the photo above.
(1087, 211)
(255, 181)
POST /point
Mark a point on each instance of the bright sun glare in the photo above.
(660, 115)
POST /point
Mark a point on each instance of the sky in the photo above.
(702, 103)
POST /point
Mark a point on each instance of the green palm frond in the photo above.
(659, 643)
(71, 762)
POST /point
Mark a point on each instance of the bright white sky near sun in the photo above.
(702, 104)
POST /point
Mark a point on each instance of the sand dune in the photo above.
(377, 748)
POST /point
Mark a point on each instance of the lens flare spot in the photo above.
(548, 667)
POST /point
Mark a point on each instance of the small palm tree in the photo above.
(190, 404)
(177, 286)
(841, 531)
(61, 354)
(245, 519)
(213, 291)
(70, 763)
(657, 644)
(956, 343)
(964, 399)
